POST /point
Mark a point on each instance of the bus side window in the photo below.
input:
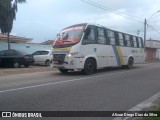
(121, 39)
(131, 39)
(89, 37)
(111, 36)
(101, 36)
(140, 42)
(128, 41)
(135, 41)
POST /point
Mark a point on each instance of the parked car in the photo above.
(15, 58)
(42, 57)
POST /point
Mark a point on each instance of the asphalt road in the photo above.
(107, 90)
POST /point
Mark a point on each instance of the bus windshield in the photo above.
(69, 36)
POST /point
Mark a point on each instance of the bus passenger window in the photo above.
(111, 37)
(128, 41)
(101, 36)
(140, 42)
(134, 41)
(121, 40)
(89, 38)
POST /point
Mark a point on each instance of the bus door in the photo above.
(89, 44)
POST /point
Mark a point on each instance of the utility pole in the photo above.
(145, 24)
(138, 33)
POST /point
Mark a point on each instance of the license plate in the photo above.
(55, 62)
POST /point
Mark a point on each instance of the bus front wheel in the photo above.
(89, 67)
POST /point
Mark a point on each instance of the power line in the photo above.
(155, 17)
(155, 20)
(106, 9)
(154, 29)
(112, 9)
(118, 13)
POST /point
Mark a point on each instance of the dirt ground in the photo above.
(30, 69)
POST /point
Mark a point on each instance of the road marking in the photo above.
(66, 81)
(145, 104)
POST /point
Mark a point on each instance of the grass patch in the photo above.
(155, 108)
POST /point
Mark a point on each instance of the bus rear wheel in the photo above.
(89, 67)
(63, 70)
(130, 63)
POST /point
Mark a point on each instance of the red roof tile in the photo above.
(11, 36)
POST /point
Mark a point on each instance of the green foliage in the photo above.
(6, 16)
(8, 9)
(156, 108)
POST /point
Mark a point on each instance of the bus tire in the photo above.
(130, 63)
(89, 66)
(63, 70)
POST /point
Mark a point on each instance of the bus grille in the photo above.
(59, 57)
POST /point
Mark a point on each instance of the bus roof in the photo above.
(86, 24)
(82, 24)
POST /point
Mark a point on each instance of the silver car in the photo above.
(42, 57)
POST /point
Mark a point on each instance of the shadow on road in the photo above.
(104, 70)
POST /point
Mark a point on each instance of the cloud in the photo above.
(48, 17)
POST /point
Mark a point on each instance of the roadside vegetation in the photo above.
(155, 108)
(8, 10)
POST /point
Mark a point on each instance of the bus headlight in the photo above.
(69, 55)
(72, 54)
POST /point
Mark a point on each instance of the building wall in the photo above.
(27, 48)
(153, 44)
(158, 54)
(152, 50)
(150, 54)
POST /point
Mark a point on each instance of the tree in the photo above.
(8, 9)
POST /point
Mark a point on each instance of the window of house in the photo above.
(101, 36)
(111, 37)
(121, 40)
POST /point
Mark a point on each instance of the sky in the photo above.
(42, 20)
